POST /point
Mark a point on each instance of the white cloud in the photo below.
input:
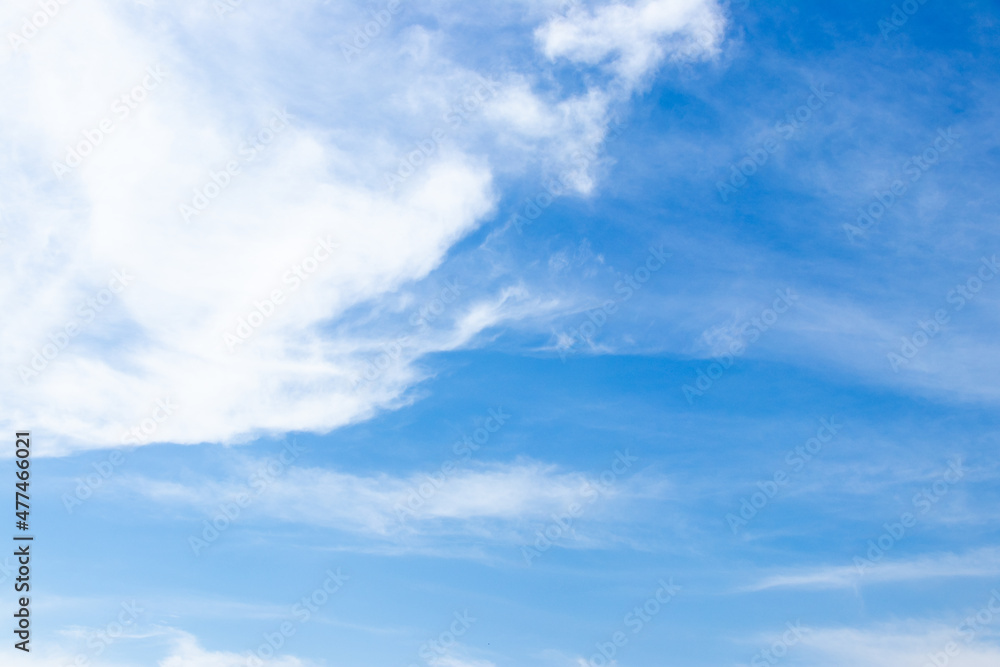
(979, 563)
(450, 660)
(631, 40)
(320, 179)
(472, 500)
(187, 652)
(906, 643)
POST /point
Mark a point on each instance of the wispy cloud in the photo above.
(979, 563)
(493, 501)
(901, 643)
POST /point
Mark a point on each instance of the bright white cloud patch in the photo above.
(188, 652)
(632, 39)
(452, 661)
(211, 246)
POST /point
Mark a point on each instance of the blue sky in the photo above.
(535, 333)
